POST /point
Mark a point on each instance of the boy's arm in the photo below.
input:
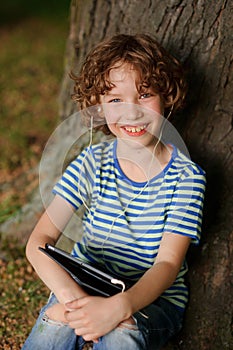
(160, 276)
(112, 311)
(48, 230)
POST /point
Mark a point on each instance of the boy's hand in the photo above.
(93, 317)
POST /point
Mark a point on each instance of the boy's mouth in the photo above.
(135, 130)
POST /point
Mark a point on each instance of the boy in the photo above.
(143, 204)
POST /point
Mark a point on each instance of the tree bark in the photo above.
(199, 33)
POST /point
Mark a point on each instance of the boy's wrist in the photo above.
(67, 295)
(125, 305)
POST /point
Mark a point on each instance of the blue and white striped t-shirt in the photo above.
(125, 222)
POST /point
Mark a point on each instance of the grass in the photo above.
(32, 49)
(33, 37)
(31, 70)
(22, 295)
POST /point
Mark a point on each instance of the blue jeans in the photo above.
(152, 333)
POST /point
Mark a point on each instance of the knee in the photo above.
(56, 313)
(131, 324)
(126, 336)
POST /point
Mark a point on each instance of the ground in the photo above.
(22, 295)
(32, 62)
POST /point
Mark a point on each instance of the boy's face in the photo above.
(132, 115)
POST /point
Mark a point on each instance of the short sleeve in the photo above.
(185, 212)
(76, 183)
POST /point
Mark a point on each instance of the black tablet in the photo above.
(93, 279)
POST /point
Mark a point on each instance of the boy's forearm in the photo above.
(54, 276)
(151, 285)
(48, 230)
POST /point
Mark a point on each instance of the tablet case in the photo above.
(93, 279)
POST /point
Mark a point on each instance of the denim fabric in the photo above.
(50, 335)
(151, 333)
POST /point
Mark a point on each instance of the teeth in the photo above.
(135, 129)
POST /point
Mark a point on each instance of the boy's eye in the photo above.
(145, 95)
(114, 100)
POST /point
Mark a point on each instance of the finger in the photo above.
(86, 335)
(74, 315)
(77, 325)
(75, 304)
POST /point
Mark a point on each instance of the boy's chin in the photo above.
(137, 143)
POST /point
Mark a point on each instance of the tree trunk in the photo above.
(199, 33)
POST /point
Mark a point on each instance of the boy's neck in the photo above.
(140, 164)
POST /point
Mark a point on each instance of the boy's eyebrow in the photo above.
(110, 93)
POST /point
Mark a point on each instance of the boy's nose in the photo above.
(132, 112)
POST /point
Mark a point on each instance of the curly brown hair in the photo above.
(157, 69)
